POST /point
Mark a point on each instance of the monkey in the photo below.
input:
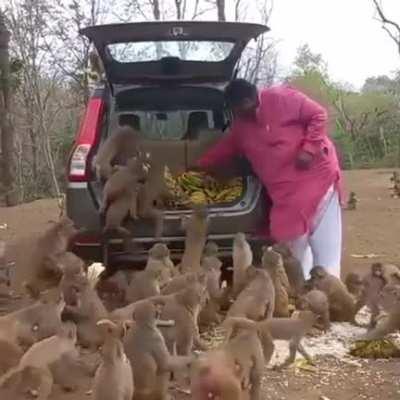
(88, 310)
(195, 227)
(317, 302)
(391, 273)
(28, 325)
(96, 66)
(209, 314)
(114, 377)
(371, 288)
(234, 370)
(44, 271)
(41, 355)
(273, 263)
(211, 249)
(352, 202)
(257, 300)
(390, 300)
(242, 259)
(293, 270)
(146, 349)
(122, 144)
(114, 289)
(120, 194)
(355, 285)
(183, 307)
(160, 254)
(146, 283)
(341, 303)
(181, 281)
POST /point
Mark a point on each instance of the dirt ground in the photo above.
(371, 233)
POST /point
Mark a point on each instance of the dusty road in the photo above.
(373, 229)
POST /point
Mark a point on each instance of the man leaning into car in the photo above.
(284, 136)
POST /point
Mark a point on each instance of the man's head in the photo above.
(241, 97)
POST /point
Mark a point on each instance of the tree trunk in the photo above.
(6, 129)
(221, 10)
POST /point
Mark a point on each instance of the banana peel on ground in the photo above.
(375, 349)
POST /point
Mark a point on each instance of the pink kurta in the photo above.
(288, 121)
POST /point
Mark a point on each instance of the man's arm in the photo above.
(220, 153)
(315, 119)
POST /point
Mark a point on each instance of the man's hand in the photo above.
(304, 160)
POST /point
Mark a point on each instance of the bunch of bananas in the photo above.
(382, 348)
(199, 188)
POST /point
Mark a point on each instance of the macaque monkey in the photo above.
(28, 325)
(390, 300)
(114, 377)
(145, 283)
(317, 302)
(195, 227)
(290, 329)
(183, 307)
(209, 314)
(10, 355)
(88, 310)
(293, 270)
(242, 259)
(146, 349)
(354, 284)
(234, 370)
(96, 66)
(160, 254)
(182, 281)
(120, 194)
(122, 144)
(211, 249)
(273, 263)
(391, 273)
(41, 355)
(341, 303)
(257, 300)
(371, 288)
(43, 271)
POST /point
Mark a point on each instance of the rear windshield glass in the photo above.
(173, 125)
(209, 51)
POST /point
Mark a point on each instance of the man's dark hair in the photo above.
(238, 90)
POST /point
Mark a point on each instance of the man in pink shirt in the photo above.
(283, 134)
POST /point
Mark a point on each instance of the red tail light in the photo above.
(88, 136)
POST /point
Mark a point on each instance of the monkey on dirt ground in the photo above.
(161, 255)
(257, 300)
(146, 349)
(242, 259)
(88, 310)
(291, 329)
(354, 284)
(183, 308)
(28, 325)
(317, 302)
(209, 314)
(43, 271)
(40, 356)
(390, 300)
(114, 377)
(195, 227)
(119, 146)
(293, 270)
(120, 194)
(273, 263)
(234, 370)
(341, 303)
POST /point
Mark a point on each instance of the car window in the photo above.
(185, 50)
(170, 125)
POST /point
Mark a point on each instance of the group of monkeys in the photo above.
(150, 335)
(134, 183)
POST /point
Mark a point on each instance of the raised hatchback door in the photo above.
(175, 51)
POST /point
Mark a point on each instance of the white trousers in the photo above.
(323, 245)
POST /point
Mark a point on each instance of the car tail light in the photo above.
(89, 134)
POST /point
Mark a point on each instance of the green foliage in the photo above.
(365, 125)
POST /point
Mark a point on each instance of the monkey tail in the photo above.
(232, 324)
(9, 374)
